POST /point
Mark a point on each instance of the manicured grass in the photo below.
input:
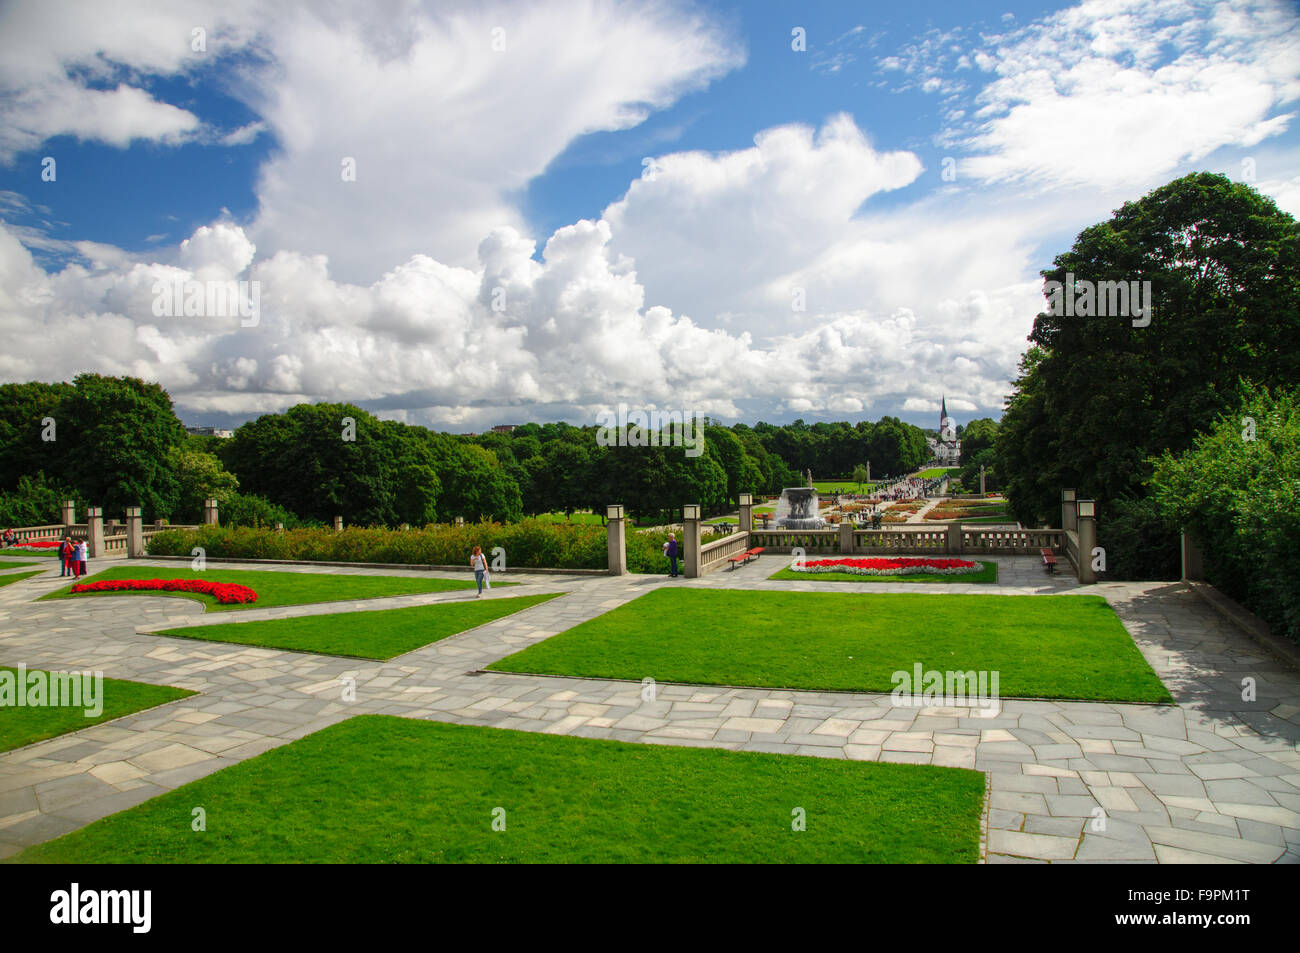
(1041, 646)
(830, 487)
(7, 578)
(934, 472)
(274, 588)
(380, 635)
(988, 574)
(52, 552)
(7, 563)
(382, 789)
(27, 725)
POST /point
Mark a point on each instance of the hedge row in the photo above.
(528, 544)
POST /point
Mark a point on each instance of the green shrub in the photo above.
(528, 544)
(1237, 490)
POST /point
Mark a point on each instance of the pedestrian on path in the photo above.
(66, 553)
(671, 551)
(479, 565)
(82, 554)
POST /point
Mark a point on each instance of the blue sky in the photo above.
(791, 249)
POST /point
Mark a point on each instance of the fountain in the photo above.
(797, 509)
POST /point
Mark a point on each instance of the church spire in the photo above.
(943, 412)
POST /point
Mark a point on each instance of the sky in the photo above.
(466, 214)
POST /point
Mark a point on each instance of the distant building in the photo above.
(210, 432)
(946, 448)
(505, 428)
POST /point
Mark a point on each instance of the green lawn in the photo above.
(382, 789)
(379, 635)
(1041, 646)
(934, 472)
(7, 578)
(7, 563)
(988, 574)
(28, 553)
(27, 725)
(275, 588)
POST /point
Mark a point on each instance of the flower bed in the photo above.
(897, 566)
(226, 593)
(38, 545)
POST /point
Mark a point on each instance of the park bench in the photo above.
(1049, 560)
(741, 558)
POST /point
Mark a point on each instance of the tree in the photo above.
(28, 442)
(1099, 397)
(199, 476)
(119, 432)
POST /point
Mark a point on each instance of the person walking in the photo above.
(65, 557)
(82, 550)
(671, 551)
(479, 564)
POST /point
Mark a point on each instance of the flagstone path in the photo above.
(1213, 778)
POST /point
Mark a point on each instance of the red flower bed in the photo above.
(888, 566)
(227, 593)
(35, 544)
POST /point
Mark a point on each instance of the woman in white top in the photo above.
(83, 553)
(479, 565)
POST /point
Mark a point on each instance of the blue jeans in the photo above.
(672, 565)
(478, 578)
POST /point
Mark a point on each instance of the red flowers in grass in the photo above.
(35, 544)
(888, 566)
(227, 593)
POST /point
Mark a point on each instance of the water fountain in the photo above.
(797, 509)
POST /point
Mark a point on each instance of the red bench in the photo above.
(1049, 561)
(741, 558)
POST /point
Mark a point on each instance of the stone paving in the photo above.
(1212, 778)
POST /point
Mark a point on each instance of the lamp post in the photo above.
(616, 540)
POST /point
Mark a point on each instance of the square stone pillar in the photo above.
(1086, 520)
(691, 540)
(846, 537)
(210, 512)
(952, 543)
(981, 479)
(338, 524)
(1069, 520)
(279, 527)
(746, 513)
(69, 514)
(95, 531)
(1193, 559)
(134, 532)
(460, 520)
(616, 540)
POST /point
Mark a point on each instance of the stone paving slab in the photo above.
(1211, 778)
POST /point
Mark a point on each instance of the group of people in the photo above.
(73, 557)
(10, 538)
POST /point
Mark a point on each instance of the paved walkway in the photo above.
(1210, 779)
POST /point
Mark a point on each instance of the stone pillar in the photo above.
(134, 532)
(846, 537)
(210, 512)
(746, 513)
(95, 531)
(691, 541)
(1069, 521)
(952, 544)
(1193, 559)
(616, 540)
(338, 524)
(69, 514)
(460, 521)
(279, 527)
(1086, 522)
(981, 479)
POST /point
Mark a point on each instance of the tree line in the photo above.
(117, 442)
